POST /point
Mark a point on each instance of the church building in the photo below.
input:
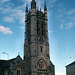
(36, 47)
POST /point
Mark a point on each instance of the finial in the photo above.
(45, 8)
(26, 7)
(40, 8)
(33, 4)
(18, 53)
(33, 0)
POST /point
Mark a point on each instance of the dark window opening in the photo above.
(37, 27)
(42, 29)
(29, 41)
(41, 49)
(35, 66)
(35, 50)
(18, 72)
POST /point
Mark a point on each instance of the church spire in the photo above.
(33, 4)
(33, 0)
(45, 8)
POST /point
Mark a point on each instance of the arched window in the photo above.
(42, 67)
(41, 64)
(6, 72)
(18, 71)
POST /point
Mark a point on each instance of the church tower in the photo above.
(36, 46)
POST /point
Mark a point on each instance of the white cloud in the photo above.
(27, 1)
(66, 18)
(22, 6)
(1, 8)
(69, 25)
(8, 19)
(3, 1)
(6, 10)
(52, 1)
(13, 13)
(22, 21)
(70, 12)
(61, 26)
(19, 15)
(5, 30)
(22, 27)
(50, 31)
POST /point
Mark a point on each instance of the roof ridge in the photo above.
(71, 63)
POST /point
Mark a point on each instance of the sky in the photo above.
(61, 28)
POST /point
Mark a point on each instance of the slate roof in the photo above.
(6, 63)
(73, 63)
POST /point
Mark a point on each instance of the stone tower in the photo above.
(36, 47)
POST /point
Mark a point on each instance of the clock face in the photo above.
(41, 40)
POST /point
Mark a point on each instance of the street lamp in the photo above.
(6, 54)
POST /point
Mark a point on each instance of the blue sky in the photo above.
(61, 27)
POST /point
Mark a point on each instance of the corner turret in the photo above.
(45, 11)
(27, 8)
(26, 12)
(45, 8)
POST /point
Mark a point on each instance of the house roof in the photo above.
(73, 63)
(6, 63)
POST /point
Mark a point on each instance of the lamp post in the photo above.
(7, 55)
